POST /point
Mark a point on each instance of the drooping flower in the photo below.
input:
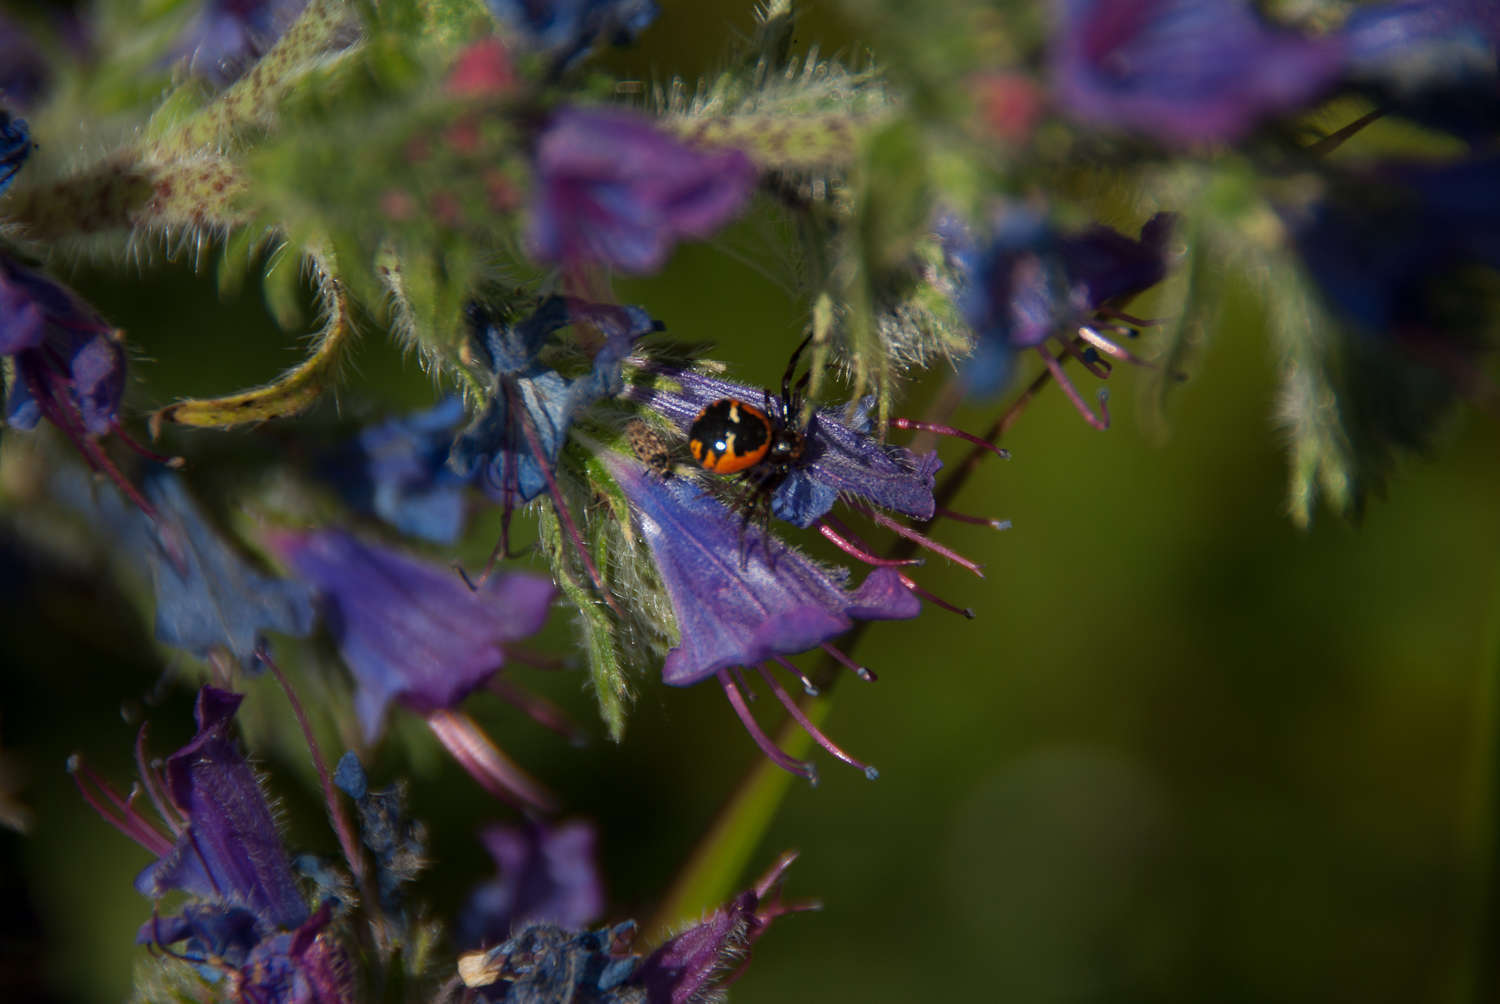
(399, 471)
(416, 634)
(741, 598)
(208, 596)
(613, 189)
(548, 874)
(513, 446)
(1183, 72)
(1031, 283)
(567, 29)
(247, 918)
(549, 962)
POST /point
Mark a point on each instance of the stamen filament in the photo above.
(536, 707)
(863, 672)
(153, 786)
(934, 598)
(963, 517)
(1100, 421)
(810, 728)
(863, 554)
(1109, 348)
(737, 701)
(902, 530)
(808, 687)
(118, 813)
(493, 770)
(948, 430)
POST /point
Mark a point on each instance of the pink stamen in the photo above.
(849, 547)
(1101, 421)
(934, 598)
(810, 728)
(808, 687)
(963, 517)
(493, 770)
(1109, 348)
(534, 443)
(336, 812)
(737, 701)
(176, 463)
(1131, 319)
(1096, 366)
(863, 672)
(536, 707)
(948, 430)
(902, 530)
(119, 812)
(155, 789)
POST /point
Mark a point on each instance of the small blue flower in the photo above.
(410, 631)
(513, 445)
(399, 471)
(395, 839)
(1183, 72)
(568, 29)
(613, 189)
(548, 874)
(15, 147)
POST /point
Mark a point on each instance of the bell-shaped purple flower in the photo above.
(548, 874)
(567, 29)
(613, 189)
(1030, 283)
(410, 631)
(740, 597)
(1183, 71)
(398, 470)
(513, 446)
(229, 853)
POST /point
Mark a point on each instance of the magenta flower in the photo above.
(1183, 71)
(613, 189)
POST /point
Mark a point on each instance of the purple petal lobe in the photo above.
(547, 874)
(409, 630)
(739, 596)
(613, 189)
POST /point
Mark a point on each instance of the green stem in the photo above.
(1486, 975)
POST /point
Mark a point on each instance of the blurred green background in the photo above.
(1185, 751)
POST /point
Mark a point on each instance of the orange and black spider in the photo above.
(762, 444)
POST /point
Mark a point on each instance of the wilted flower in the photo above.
(413, 632)
(247, 921)
(742, 599)
(397, 841)
(613, 189)
(548, 875)
(548, 962)
(1183, 71)
(568, 29)
(399, 471)
(1031, 283)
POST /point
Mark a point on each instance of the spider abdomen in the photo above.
(730, 436)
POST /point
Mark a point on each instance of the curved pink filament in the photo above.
(811, 729)
(737, 701)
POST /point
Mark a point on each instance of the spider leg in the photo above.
(791, 367)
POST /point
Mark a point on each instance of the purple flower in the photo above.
(742, 599)
(399, 471)
(1183, 71)
(513, 446)
(841, 455)
(547, 875)
(708, 955)
(1379, 243)
(208, 596)
(229, 853)
(613, 189)
(734, 612)
(410, 631)
(568, 29)
(1434, 61)
(1030, 283)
